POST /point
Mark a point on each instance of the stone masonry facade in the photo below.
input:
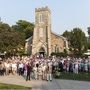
(43, 39)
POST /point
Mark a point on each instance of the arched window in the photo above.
(41, 32)
(41, 49)
(41, 17)
(56, 48)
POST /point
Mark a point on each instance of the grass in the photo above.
(72, 76)
(13, 87)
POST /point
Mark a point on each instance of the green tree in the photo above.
(4, 27)
(24, 27)
(89, 31)
(10, 40)
(88, 45)
(88, 38)
(77, 40)
(67, 35)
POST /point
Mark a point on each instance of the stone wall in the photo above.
(58, 43)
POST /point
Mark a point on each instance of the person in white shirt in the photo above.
(20, 67)
(44, 72)
(76, 67)
(14, 67)
(49, 72)
(7, 67)
(35, 69)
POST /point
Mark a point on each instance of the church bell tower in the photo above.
(42, 31)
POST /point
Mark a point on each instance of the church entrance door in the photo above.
(42, 52)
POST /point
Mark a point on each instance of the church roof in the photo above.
(59, 36)
(30, 38)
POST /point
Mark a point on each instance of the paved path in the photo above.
(44, 85)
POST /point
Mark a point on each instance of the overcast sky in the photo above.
(66, 14)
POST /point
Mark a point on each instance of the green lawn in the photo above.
(72, 76)
(12, 87)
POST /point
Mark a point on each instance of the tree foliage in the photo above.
(88, 38)
(59, 54)
(10, 40)
(77, 40)
(24, 27)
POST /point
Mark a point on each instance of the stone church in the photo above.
(44, 41)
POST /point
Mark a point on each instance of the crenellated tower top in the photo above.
(42, 9)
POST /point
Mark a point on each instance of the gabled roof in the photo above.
(59, 35)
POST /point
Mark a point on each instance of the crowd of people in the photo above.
(74, 65)
(29, 68)
(43, 68)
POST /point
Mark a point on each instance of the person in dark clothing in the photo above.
(1, 69)
(29, 69)
(37, 65)
(60, 67)
(71, 67)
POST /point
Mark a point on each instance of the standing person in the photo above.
(70, 67)
(89, 65)
(20, 67)
(14, 68)
(49, 72)
(25, 70)
(1, 69)
(44, 72)
(40, 72)
(7, 67)
(76, 67)
(82, 65)
(35, 69)
(60, 66)
(86, 65)
(29, 69)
